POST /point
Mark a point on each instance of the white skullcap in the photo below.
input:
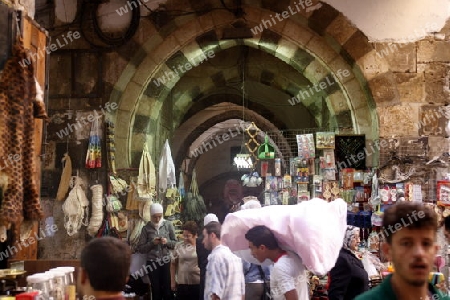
(156, 208)
(210, 218)
(251, 204)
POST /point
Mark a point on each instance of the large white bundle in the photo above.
(313, 229)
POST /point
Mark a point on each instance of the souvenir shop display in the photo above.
(325, 140)
(305, 145)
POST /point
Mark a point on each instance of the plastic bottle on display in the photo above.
(39, 282)
(70, 290)
(58, 291)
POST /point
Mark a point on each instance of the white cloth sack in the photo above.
(313, 229)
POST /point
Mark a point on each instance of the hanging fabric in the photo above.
(65, 178)
(94, 152)
(167, 177)
(181, 189)
(194, 206)
(18, 110)
(146, 181)
(75, 207)
(97, 210)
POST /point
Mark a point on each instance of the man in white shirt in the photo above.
(224, 275)
(288, 277)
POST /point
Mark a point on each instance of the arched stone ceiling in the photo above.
(188, 132)
(317, 53)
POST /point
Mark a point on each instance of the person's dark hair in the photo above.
(262, 235)
(107, 263)
(190, 226)
(213, 227)
(410, 215)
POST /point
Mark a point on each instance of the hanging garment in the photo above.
(167, 177)
(146, 181)
(94, 152)
(18, 108)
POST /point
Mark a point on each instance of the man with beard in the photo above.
(224, 276)
(105, 267)
(410, 233)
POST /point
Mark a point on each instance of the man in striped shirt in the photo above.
(224, 275)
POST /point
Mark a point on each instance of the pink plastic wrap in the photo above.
(313, 229)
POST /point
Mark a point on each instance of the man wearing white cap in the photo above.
(157, 238)
(202, 253)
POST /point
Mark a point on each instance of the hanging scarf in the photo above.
(94, 152)
(351, 233)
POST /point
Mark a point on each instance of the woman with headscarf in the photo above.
(156, 239)
(348, 278)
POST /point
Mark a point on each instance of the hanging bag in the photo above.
(75, 207)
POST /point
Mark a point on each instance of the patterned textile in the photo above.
(351, 233)
(224, 275)
(18, 108)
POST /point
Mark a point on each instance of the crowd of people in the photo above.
(203, 268)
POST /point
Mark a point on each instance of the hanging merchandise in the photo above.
(144, 210)
(113, 204)
(18, 109)
(181, 189)
(110, 145)
(75, 207)
(325, 140)
(136, 232)
(305, 145)
(194, 206)
(166, 169)
(97, 210)
(118, 185)
(94, 152)
(266, 150)
(132, 203)
(251, 180)
(122, 224)
(146, 181)
(65, 178)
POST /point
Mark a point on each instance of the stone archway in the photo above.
(318, 51)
